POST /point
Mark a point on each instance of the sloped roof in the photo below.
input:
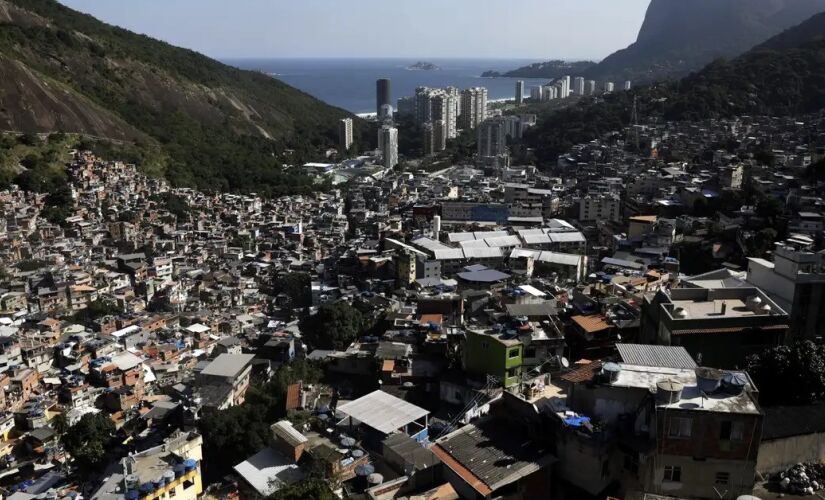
(383, 412)
(656, 355)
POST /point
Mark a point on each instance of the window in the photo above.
(680, 427)
(732, 431)
(485, 345)
(673, 474)
(722, 479)
(513, 353)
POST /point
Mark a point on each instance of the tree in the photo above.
(769, 208)
(334, 326)
(60, 424)
(790, 375)
(297, 286)
(97, 309)
(88, 441)
(289, 373)
(310, 489)
(232, 435)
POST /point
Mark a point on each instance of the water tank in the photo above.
(375, 479)
(364, 470)
(754, 302)
(169, 476)
(669, 392)
(680, 313)
(190, 464)
(611, 372)
(132, 482)
(132, 495)
(357, 453)
(180, 470)
(734, 383)
(708, 379)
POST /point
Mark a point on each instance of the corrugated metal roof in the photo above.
(736, 329)
(491, 453)
(656, 355)
(567, 237)
(383, 412)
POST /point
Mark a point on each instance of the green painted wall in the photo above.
(487, 355)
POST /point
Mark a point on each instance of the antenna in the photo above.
(636, 118)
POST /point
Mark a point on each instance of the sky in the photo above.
(537, 29)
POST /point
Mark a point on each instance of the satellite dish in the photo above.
(565, 363)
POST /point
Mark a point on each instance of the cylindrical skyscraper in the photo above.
(382, 94)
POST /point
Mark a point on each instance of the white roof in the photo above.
(535, 239)
(482, 253)
(126, 331)
(383, 412)
(228, 365)
(429, 244)
(567, 237)
(268, 471)
(535, 292)
(503, 241)
(459, 237)
(197, 328)
(646, 377)
(286, 431)
(448, 254)
(474, 244)
(565, 259)
(126, 361)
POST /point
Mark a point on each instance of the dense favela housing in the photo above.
(477, 331)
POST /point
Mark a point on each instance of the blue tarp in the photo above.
(576, 421)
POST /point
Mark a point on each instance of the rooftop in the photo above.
(268, 471)
(228, 365)
(489, 456)
(383, 412)
(656, 355)
(646, 377)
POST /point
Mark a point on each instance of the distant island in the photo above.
(549, 69)
(423, 66)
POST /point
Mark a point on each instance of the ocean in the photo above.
(350, 83)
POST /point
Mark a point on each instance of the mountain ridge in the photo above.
(552, 69)
(67, 71)
(678, 36)
(785, 75)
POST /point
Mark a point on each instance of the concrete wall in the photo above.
(778, 454)
(699, 477)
